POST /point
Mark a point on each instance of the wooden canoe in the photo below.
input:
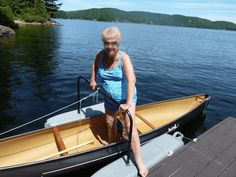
(80, 144)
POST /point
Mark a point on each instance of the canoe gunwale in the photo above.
(173, 99)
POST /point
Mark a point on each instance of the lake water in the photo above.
(40, 66)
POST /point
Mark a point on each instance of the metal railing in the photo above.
(114, 101)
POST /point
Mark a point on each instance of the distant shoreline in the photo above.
(126, 22)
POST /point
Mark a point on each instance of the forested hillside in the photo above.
(116, 15)
(27, 10)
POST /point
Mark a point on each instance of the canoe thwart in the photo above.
(59, 141)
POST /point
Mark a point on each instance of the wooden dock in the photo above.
(214, 155)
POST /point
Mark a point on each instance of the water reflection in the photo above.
(27, 63)
(5, 93)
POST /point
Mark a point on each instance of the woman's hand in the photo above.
(93, 84)
(125, 106)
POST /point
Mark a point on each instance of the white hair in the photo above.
(111, 32)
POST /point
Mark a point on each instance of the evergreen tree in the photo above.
(52, 7)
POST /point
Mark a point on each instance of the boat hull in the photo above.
(83, 160)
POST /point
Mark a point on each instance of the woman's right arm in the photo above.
(95, 66)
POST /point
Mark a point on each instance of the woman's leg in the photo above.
(135, 143)
(111, 125)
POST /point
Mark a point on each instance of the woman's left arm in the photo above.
(130, 76)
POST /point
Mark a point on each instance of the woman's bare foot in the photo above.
(143, 171)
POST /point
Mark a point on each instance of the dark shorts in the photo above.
(110, 105)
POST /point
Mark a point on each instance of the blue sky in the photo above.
(209, 9)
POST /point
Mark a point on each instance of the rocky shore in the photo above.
(48, 22)
(6, 31)
(9, 32)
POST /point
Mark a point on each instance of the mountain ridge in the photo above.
(117, 15)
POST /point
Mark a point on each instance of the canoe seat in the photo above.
(59, 141)
(141, 126)
(145, 121)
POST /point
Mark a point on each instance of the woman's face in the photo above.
(111, 46)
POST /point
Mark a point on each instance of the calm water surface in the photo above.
(39, 67)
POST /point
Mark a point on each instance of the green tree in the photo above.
(6, 15)
(40, 10)
(28, 10)
(52, 7)
(17, 6)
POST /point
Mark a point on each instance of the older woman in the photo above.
(116, 72)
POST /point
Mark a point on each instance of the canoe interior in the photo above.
(35, 146)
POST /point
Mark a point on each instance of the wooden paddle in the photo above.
(69, 149)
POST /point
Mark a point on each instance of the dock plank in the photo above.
(229, 171)
(213, 155)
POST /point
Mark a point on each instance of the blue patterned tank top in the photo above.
(114, 81)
